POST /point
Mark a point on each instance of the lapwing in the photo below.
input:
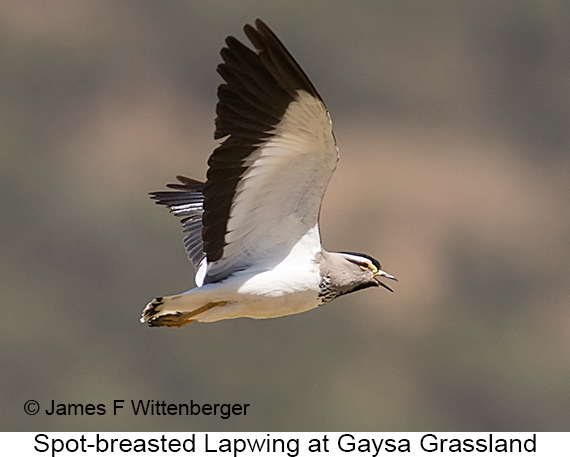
(252, 229)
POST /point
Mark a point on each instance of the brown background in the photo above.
(452, 120)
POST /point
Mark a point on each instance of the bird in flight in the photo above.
(252, 229)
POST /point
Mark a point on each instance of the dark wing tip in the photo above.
(278, 59)
(188, 184)
(260, 24)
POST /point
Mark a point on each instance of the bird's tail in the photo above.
(175, 310)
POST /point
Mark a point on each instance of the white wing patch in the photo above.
(278, 198)
(201, 272)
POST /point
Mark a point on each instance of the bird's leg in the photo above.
(176, 318)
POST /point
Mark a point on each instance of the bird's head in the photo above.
(348, 272)
(360, 271)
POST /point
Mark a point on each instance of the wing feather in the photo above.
(267, 179)
(186, 202)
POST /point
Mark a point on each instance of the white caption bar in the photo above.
(284, 444)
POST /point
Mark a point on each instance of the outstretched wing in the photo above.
(267, 179)
(187, 202)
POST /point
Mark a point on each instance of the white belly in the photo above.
(274, 293)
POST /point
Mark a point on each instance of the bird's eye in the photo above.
(369, 266)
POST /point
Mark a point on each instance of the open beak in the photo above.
(383, 274)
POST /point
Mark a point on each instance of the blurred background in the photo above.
(452, 119)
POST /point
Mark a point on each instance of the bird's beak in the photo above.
(383, 274)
